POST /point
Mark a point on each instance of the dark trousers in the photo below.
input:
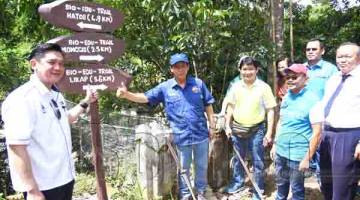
(63, 192)
(339, 171)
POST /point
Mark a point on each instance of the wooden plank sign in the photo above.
(97, 77)
(81, 16)
(90, 47)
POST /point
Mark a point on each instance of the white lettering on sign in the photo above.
(89, 42)
(76, 16)
(101, 79)
(87, 9)
(88, 71)
(95, 87)
(99, 49)
(74, 49)
(76, 79)
(106, 42)
(70, 72)
(103, 11)
(70, 7)
(106, 19)
(105, 71)
(73, 42)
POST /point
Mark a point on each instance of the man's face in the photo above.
(248, 73)
(180, 70)
(49, 68)
(313, 51)
(347, 58)
(295, 81)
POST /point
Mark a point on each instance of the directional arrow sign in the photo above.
(90, 47)
(100, 77)
(81, 16)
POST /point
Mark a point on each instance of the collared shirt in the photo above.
(251, 102)
(295, 131)
(185, 108)
(344, 112)
(319, 74)
(30, 120)
(232, 82)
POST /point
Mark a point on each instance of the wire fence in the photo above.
(118, 141)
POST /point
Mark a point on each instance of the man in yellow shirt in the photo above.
(250, 101)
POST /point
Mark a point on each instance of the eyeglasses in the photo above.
(291, 77)
(55, 108)
(311, 49)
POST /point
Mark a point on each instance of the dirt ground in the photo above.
(312, 191)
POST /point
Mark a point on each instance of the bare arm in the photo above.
(224, 106)
(135, 97)
(210, 115)
(314, 143)
(273, 148)
(73, 113)
(228, 119)
(270, 125)
(22, 165)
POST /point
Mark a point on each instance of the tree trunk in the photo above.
(277, 34)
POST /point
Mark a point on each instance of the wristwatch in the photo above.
(84, 105)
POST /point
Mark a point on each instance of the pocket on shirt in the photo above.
(173, 103)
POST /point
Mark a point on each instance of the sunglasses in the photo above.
(55, 108)
(311, 49)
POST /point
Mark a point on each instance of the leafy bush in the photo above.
(84, 184)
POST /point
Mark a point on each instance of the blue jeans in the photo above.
(254, 144)
(287, 174)
(200, 152)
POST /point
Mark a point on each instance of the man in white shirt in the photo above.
(339, 110)
(37, 129)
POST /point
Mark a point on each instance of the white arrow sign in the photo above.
(83, 25)
(90, 58)
(95, 87)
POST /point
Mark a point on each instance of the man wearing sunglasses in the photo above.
(319, 69)
(319, 72)
(294, 133)
(37, 129)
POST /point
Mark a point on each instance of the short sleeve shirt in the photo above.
(251, 102)
(184, 108)
(294, 134)
(319, 74)
(29, 119)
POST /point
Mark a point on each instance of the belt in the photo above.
(329, 128)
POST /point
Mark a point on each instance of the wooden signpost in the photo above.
(92, 46)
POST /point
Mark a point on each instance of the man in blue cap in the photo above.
(185, 99)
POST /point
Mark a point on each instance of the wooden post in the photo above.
(97, 151)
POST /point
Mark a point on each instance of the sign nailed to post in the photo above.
(90, 47)
(99, 77)
(81, 16)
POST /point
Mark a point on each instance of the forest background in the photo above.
(214, 33)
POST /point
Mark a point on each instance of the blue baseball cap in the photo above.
(178, 57)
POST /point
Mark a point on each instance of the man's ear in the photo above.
(33, 64)
(322, 51)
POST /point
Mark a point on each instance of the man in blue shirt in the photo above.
(294, 133)
(319, 70)
(185, 99)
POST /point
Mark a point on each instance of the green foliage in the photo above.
(324, 21)
(84, 183)
(125, 184)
